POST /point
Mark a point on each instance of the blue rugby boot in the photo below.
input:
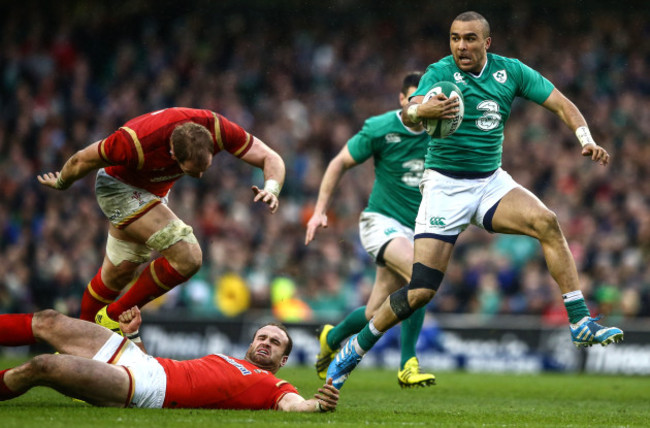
(587, 332)
(343, 364)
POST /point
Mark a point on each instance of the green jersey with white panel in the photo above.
(477, 145)
(398, 153)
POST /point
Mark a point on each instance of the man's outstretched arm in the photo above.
(325, 400)
(269, 161)
(335, 170)
(571, 116)
(78, 166)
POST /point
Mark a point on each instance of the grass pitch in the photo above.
(373, 398)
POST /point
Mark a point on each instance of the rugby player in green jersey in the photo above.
(464, 184)
(385, 226)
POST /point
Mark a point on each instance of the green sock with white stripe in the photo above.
(575, 306)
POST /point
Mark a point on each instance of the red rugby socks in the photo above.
(96, 296)
(16, 330)
(5, 392)
(155, 280)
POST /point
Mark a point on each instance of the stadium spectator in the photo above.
(105, 369)
(385, 225)
(138, 164)
(464, 184)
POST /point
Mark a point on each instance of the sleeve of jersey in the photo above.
(282, 388)
(232, 137)
(426, 82)
(118, 149)
(534, 86)
(360, 146)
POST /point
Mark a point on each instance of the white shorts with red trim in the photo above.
(148, 376)
(122, 203)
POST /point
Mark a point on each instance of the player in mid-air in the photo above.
(105, 369)
(137, 166)
(464, 184)
(385, 226)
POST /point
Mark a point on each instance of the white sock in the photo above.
(572, 296)
(357, 347)
(373, 330)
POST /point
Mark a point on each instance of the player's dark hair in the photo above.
(282, 327)
(192, 141)
(410, 80)
(475, 16)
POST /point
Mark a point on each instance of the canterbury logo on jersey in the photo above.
(389, 231)
(437, 221)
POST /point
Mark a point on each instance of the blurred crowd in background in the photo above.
(303, 76)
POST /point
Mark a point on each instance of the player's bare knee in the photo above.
(420, 297)
(546, 224)
(41, 366)
(45, 321)
(189, 262)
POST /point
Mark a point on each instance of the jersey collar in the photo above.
(478, 76)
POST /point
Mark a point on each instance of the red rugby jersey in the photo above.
(218, 381)
(139, 152)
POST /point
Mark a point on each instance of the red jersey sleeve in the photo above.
(231, 137)
(283, 388)
(119, 149)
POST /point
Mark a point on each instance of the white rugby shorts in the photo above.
(375, 230)
(121, 202)
(149, 377)
(449, 205)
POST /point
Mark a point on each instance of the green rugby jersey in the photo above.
(478, 143)
(398, 153)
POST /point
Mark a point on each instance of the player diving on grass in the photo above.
(385, 226)
(105, 369)
(137, 166)
(464, 184)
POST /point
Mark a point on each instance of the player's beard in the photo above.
(262, 361)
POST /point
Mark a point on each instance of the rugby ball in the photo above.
(442, 128)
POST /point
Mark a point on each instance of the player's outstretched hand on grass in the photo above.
(130, 320)
(327, 396)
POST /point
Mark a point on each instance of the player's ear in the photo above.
(488, 42)
(283, 361)
(171, 149)
(402, 99)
